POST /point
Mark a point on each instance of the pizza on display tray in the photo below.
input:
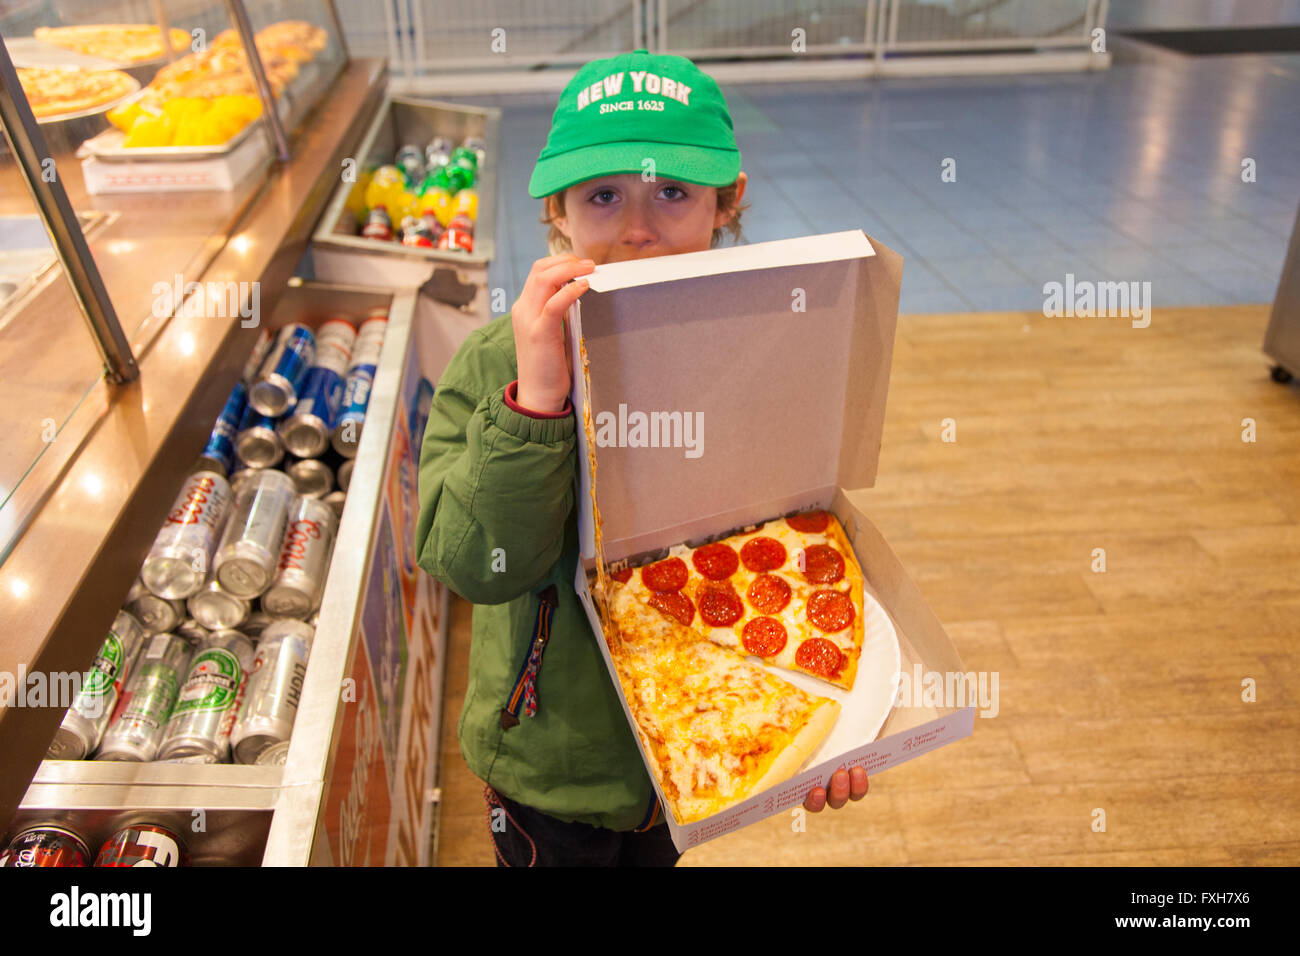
(55, 92)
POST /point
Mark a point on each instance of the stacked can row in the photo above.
(188, 695)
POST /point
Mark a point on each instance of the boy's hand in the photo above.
(541, 346)
(845, 786)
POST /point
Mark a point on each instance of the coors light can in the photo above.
(250, 548)
(178, 563)
(304, 560)
(274, 688)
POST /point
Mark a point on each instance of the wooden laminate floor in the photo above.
(1119, 691)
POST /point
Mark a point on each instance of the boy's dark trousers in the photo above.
(527, 837)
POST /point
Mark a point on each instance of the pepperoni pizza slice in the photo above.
(788, 592)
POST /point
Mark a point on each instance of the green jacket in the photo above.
(498, 525)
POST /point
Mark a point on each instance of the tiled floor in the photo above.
(1134, 173)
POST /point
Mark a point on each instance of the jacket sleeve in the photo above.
(495, 488)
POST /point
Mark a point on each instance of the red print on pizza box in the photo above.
(734, 386)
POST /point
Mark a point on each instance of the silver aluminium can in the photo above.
(83, 725)
(255, 624)
(274, 756)
(192, 630)
(258, 444)
(312, 478)
(215, 609)
(345, 474)
(336, 500)
(274, 689)
(250, 548)
(208, 701)
(178, 563)
(137, 727)
(283, 370)
(155, 614)
(304, 560)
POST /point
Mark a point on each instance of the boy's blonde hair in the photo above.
(557, 242)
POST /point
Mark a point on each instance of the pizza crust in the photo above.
(803, 746)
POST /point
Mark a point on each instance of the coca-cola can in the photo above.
(274, 689)
(143, 844)
(215, 609)
(46, 846)
(246, 559)
(304, 560)
(84, 723)
(155, 614)
(209, 699)
(178, 563)
(312, 478)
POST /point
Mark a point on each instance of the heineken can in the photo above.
(181, 554)
(304, 560)
(306, 431)
(312, 478)
(278, 381)
(141, 719)
(274, 689)
(155, 614)
(205, 709)
(250, 547)
(257, 443)
(356, 390)
(215, 609)
(83, 725)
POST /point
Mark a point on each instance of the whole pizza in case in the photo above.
(121, 42)
(684, 634)
(55, 92)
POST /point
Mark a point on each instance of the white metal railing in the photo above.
(426, 37)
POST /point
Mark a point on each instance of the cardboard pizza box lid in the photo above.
(732, 385)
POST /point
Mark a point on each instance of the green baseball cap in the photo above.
(619, 112)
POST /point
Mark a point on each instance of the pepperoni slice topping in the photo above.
(762, 554)
(822, 564)
(763, 636)
(830, 611)
(675, 605)
(719, 605)
(717, 561)
(768, 594)
(819, 656)
(622, 577)
(810, 521)
(667, 575)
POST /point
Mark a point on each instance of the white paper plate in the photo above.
(865, 708)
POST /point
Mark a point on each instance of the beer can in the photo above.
(255, 624)
(306, 431)
(274, 756)
(257, 443)
(215, 609)
(192, 631)
(280, 378)
(143, 844)
(83, 725)
(345, 474)
(141, 718)
(257, 356)
(209, 699)
(250, 547)
(304, 560)
(46, 846)
(219, 453)
(336, 500)
(356, 391)
(274, 689)
(155, 614)
(182, 552)
(312, 478)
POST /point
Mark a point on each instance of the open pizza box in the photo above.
(777, 354)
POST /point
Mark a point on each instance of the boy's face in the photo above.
(620, 217)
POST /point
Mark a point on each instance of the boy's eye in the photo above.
(673, 192)
(604, 196)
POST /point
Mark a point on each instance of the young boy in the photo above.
(641, 161)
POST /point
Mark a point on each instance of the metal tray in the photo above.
(107, 146)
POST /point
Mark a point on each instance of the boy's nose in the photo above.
(637, 230)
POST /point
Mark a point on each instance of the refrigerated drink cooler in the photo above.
(357, 786)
